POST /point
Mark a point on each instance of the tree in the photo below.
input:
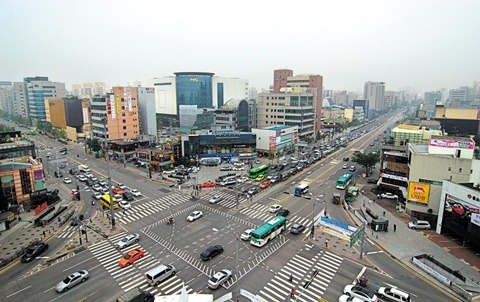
(366, 160)
(476, 139)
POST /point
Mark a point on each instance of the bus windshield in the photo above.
(267, 231)
(344, 181)
(258, 171)
(105, 200)
(301, 189)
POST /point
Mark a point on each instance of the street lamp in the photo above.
(237, 271)
(312, 234)
(112, 213)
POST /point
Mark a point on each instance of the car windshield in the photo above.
(67, 280)
(214, 279)
(124, 240)
(30, 250)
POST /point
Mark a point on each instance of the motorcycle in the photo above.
(363, 281)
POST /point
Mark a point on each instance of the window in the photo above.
(124, 127)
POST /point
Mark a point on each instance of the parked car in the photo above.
(219, 278)
(195, 215)
(34, 251)
(67, 180)
(389, 196)
(360, 292)
(226, 168)
(297, 228)
(246, 235)
(131, 257)
(275, 208)
(215, 199)
(211, 252)
(283, 212)
(72, 280)
(127, 240)
(419, 225)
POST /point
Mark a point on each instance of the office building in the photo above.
(235, 115)
(36, 90)
(276, 140)
(339, 97)
(180, 99)
(365, 106)
(460, 94)
(374, 92)
(433, 97)
(6, 97)
(146, 109)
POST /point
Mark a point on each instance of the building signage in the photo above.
(38, 193)
(128, 98)
(394, 177)
(462, 208)
(227, 133)
(418, 192)
(111, 107)
(475, 219)
(118, 104)
(272, 143)
(451, 143)
(193, 79)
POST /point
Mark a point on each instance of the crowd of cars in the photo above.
(357, 293)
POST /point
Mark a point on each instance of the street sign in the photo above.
(355, 236)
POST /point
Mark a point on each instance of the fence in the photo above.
(6, 261)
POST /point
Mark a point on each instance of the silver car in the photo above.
(72, 280)
(419, 225)
(127, 240)
(219, 278)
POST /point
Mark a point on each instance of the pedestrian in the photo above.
(44, 235)
(90, 219)
(363, 192)
(290, 278)
(378, 196)
(383, 214)
(394, 228)
(364, 203)
(292, 293)
(326, 243)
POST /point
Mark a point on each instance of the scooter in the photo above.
(363, 281)
(170, 220)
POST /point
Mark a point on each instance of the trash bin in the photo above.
(379, 225)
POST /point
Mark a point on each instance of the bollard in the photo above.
(80, 240)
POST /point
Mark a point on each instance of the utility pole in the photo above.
(112, 213)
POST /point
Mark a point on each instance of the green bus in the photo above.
(256, 172)
(344, 181)
(267, 231)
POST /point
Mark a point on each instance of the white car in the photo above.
(419, 225)
(118, 197)
(121, 186)
(97, 195)
(105, 191)
(82, 178)
(360, 292)
(128, 240)
(125, 204)
(389, 196)
(242, 179)
(97, 187)
(219, 278)
(246, 235)
(72, 280)
(135, 192)
(393, 294)
(347, 298)
(215, 199)
(345, 166)
(275, 208)
(88, 174)
(67, 180)
(195, 215)
(238, 168)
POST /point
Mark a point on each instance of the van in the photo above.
(83, 168)
(160, 273)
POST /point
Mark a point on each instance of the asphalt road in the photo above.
(263, 271)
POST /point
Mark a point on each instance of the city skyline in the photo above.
(425, 45)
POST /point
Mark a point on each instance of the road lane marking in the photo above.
(76, 264)
(17, 292)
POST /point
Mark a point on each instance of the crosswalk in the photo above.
(133, 276)
(311, 277)
(228, 198)
(144, 209)
(260, 211)
(67, 232)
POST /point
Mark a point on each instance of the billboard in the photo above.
(451, 143)
(111, 108)
(418, 192)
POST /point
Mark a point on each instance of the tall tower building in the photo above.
(6, 97)
(374, 92)
(36, 90)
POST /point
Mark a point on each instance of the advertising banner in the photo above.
(118, 104)
(451, 143)
(418, 192)
(113, 109)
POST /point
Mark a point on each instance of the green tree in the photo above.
(367, 160)
(476, 139)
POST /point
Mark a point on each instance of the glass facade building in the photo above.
(194, 88)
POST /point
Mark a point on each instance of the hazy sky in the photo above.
(422, 44)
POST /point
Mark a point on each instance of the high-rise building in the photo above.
(390, 99)
(476, 90)
(121, 111)
(374, 92)
(19, 100)
(313, 83)
(181, 99)
(88, 90)
(146, 110)
(339, 97)
(460, 94)
(432, 97)
(6, 97)
(37, 89)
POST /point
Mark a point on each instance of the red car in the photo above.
(208, 184)
(265, 184)
(131, 257)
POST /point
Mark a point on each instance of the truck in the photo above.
(83, 168)
(136, 295)
(337, 198)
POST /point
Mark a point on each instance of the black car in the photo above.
(127, 196)
(273, 167)
(58, 174)
(372, 181)
(52, 192)
(280, 168)
(211, 252)
(283, 212)
(346, 159)
(72, 171)
(89, 182)
(34, 251)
